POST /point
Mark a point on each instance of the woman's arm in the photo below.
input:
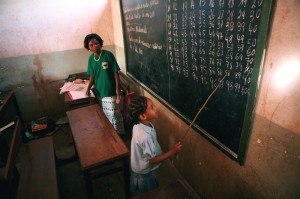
(118, 93)
(91, 83)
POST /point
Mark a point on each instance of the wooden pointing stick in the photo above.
(200, 110)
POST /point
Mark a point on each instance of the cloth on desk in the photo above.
(70, 86)
(74, 95)
(75, 90)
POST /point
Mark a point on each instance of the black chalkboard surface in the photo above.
(179, 50)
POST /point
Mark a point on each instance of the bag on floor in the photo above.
(40, 127)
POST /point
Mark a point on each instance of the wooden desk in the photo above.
(72, 104)
(98, 145)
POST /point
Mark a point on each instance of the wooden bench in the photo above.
(37, 176)
(39, 179)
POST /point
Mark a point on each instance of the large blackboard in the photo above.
(179, 50)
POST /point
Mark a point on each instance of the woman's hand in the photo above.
(118, 100)
(88, 92)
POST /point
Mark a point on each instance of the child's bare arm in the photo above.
(157, 159)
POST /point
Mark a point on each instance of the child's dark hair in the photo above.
(137, 107)
(88, 38)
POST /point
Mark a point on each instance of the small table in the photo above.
(98, 146)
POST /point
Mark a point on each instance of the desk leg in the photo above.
(126, 177)
(88, 185)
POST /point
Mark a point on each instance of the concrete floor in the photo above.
(71, 182)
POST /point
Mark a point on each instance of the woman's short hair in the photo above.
(88, 38)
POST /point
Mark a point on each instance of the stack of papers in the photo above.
(75, 91)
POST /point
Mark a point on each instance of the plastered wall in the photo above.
(41, 43)
(35, 27)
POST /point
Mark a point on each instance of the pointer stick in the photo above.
(203, 107)
(201, 110)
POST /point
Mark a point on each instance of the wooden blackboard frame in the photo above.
(262, 38)
(261, 49)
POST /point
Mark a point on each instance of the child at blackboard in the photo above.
(146, 154)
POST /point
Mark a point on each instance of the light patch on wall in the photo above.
(34, 26)
(286, 75)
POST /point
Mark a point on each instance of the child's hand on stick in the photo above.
(177, 148)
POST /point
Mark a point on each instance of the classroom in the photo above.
(235, 62)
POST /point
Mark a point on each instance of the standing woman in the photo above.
(103, 70)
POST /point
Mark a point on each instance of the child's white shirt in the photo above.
(144, 146)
